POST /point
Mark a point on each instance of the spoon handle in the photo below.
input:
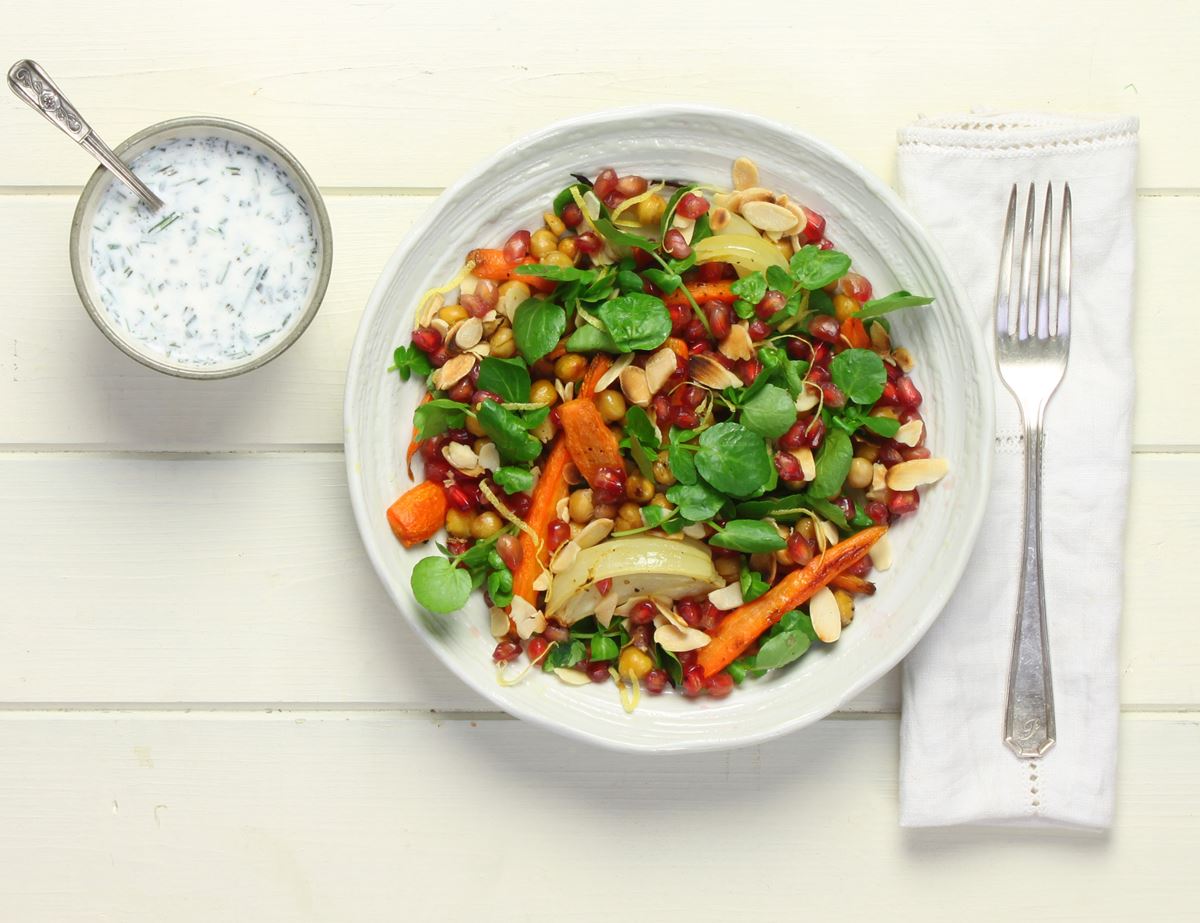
(31, 83)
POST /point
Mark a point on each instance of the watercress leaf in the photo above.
(814, 268)
(642, 459)
(681, 463)
(556, 273)
(639, 425)
(654, 515)
(619, 238)
(500, 586)
(564, 655)
(408, 359)
(513, 480)
(796, 621)
(439, 586)
(537, 327)
(751, 287)
(752, 583)
(628, 281)
(604, 648)
(882, 426)
(734, 459)
(636, 321)
(435, 417)
(668, 214)
(507, 377)
(506, 429)
(893, 302)
(531, 419)
(794, 372)
(589, 339)
(820, 302)
(781, 650)
(565, 198)
(828, 510)
(860, 374)
(748, 535)
(696, 502)
(743, 309)
(661, 279)
(598, 289)
(701, 229)
(672, 665)
(769, 412)
(833, 464)
(778, 279)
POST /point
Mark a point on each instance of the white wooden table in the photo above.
(208, 708)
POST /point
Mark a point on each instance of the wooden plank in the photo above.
(385, 817)
(236, 579)
(366, 94)
(62, 383)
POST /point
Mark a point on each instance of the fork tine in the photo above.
(1062, 317)
(1026, 269)
(1043, 280)
(1004, 282)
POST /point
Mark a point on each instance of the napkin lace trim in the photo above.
(1012, 132)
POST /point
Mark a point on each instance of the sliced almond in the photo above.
(904, 359)
(769, 217)
(564, 556)
(709, 372)
(541, 583)
(910, 433)
(469, 333)
(561, 508)
(529, 621)
(429, 310)
(606, 608)
(634, 386)
(498, 620)
(826, 616)
(659, 368)
(881, 341)
(728, 597)
(718, 219)
(809, 397)
(454, 371)
(831, 533)
(909, 475)
(480, 350)
(460, 456)
(572, 677)
(881, 553)
(614, 372)
(594, 533)
(677, 640)
(667, 614)
(745, 173)
(738, 345)
(468, 285)
(489, 457)
(441, 327)
(754, 194)
(808, 465)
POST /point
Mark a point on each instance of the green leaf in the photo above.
(507, 430)
(673, 667)
(751, 287)
(795, 621)
(604, 648)
(636, 321)
(833, 464)
(682, 463)
(589, 339)
(666, 281)
(743, 309)
(752, 583)
(641, 458)
(619, 238)
(513, 480)
(439, 586)
(794, 372)
(860, 374)
(696, 502)
(564, 198)
(701, 229)
(893, 302)
(500, 586)
(820, 302)
(782, 649)
(531, 419)
(556, 273)
(435, 417)
(814, 268)
(638, 425)
(882, 426)
(408, 359)
(770, 412)
(507, 377)
(629, 281)
(778, 279)
(748, 535)
(668, 214)
(564, 655)
(734, 459)
(827, 510)
(537, 327)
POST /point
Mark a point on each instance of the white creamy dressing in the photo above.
(222, 270)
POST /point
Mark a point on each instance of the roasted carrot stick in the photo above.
(599, 365)
(419, 513)
(854, 333)
(702, 292)
(745, 624)
(853, 584)
(551, 488)
(588, 438)
(491, 264)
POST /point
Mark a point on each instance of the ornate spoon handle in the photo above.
(32, 84)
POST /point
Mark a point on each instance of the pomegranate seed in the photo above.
(437, 470)
(711, 272)
(686, 419)
(687, 658)
(902, 502)
(889, 395)
(461, 436)
(718, 319)
(587, 242)
(474, 305)
(598, 671)
(788, 466)
(643, 613)
(557, 633)
(556, 415)
(676, 244)
(606, 182)
(506, 651)
(846, 505)
(572, 215)
(690, 396)
(689, 611)
(889, 455)
(914, 452)
(610, 484)
(556, 534)
(720, 685)
(772, 303)
(747, 370)
(681, 316)
(517, 246)
(426, 339)
(709, 617)
(519, 504)
(856, 286)
(703, 346)
(799, 549)
(461, 391)
(907, 393)
(825, 244)
(692, 206)
(808, 431)
(693, 680)
(536, 647)
(431, 448)
(814, 230)
(824, 327)
(458, 498)
(860, 568)
(613, 199)
(877, 512)
(478, 397)
(834, 397)
(655, 681)
(603, 586)
(758, 330)
(694, 332)
(663, 410)
(632, 185)
(509, 549)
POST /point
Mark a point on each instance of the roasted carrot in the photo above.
(702, 292)
(745, 624)
(854, 333)
(492, 264)
(599, 365)
(414, 444)
(551, 488)
(419, 513)
(588, 438)
(852, 584)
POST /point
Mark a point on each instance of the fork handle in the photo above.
(1029, 728)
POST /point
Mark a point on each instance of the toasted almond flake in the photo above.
(614, 372)
(572, 677)
(738, 345)
(529, 621)
(561, 509)
(429, 309)
(633, 384)
(481, 350)
(808, 465)
(809, 397)
(564, 557)
(659, 368)
(753, 194)
(541, 583)
(666, 613)
(878, 477)
(769, 217)
(677, 640)
(826, 616)
(686, 226)
(909, 475)
(498, 619)
(606, 608)
(454, 371)
(831, 533)
(904, 359)
(745, 173)
(441, 327)
(880, 340)
(910, 433)
(881, 553)
(469, 333)
(709, 372)
(594, 532)
(695, 530)
(719, 218)
(468, 285)
(489, 457)
(728, 597)
(460, 456)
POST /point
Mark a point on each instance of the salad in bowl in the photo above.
(664, 435)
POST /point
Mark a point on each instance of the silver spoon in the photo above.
(34, 86)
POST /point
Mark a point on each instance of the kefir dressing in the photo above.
(222, 270)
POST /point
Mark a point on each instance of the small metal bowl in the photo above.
(131, 148)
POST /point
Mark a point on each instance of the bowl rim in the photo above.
(316, 296)
(814, 710)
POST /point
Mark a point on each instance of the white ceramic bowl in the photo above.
(866, 220)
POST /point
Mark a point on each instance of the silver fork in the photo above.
(1031, 353)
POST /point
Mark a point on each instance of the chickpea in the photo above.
(634, 664)
(729, 567)
(890, 412)
(458, 523)
(452, 314)
(629, 516)
(543, 392)
(478, 444)
(806, 528)
(784, 557)
(662, 470)
(570, 367)
(605, 511)
(554, 223)
(485, 525)
(844, 306)
(542, 242)
(860, 473)
(638, 489)
(569, 248)
(580, 505)
(650, 209)
(511, 295)
(784, 246)
(611, 405)
(557, 258)
(845, 606)
(661, 500)
(761, 562)
(868, 451)
(473, 426)
(502, 343)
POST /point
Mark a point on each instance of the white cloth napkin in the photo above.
(956, 174)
